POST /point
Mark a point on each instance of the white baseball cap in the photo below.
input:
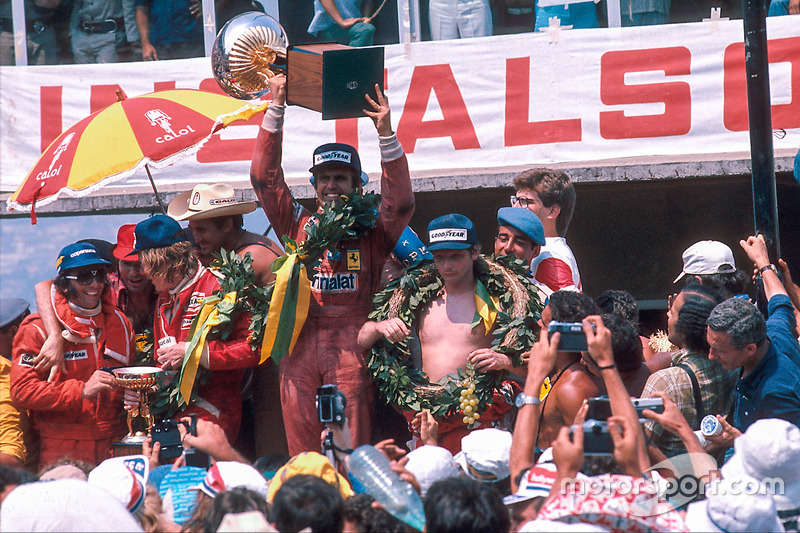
(484, 455)
(707, 257)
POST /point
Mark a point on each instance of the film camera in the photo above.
(573, 339)
(168, 435)
(596, 438)
(330, 405)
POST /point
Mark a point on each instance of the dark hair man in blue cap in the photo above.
(78, 413)
(519, 233)
(448, 333)
(343, 284)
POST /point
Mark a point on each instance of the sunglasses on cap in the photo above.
(86, 277)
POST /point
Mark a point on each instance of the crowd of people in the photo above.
(580, 423)
(107, 31)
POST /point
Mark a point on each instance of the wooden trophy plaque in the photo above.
(333, 78)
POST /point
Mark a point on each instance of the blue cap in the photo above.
(78, 255)
(11, 309)
(451, 232)
(797, 166)
(409, 249)
(337, 154)
(524, 220)
(156, 232)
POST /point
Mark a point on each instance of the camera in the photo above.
(573, 339)
(600, 408)
(330, 405)
(596, 438)
(169, 436)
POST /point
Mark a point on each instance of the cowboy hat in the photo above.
(208, 201)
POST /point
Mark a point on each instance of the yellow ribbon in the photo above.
(486, 306)
(207, 318)
(288, 308)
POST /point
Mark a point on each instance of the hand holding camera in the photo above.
(598, 340)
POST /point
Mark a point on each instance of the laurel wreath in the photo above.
(348, 219)
(516, 331)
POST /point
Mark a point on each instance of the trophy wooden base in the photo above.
(333, 78)
(120, 449)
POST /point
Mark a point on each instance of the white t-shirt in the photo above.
(555, 267)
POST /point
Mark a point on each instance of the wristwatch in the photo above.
(524, 399)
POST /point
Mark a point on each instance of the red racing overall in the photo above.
(219, 400)
(69, 424)
(342, 288)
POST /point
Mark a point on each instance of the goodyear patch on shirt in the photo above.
(75, 355)
(335, 283)
(26, 359)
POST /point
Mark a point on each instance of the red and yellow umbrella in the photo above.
(154, 129)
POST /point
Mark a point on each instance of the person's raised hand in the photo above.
(726, 438)
(379, 112)
(428, 428)
(50, 358)
(598, 339)
(277, 89)
(671, 419)
(542, 358)
(392, 451)
(625, 438)
(756, 249)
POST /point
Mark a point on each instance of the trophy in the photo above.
(142, 379)
(330, 78)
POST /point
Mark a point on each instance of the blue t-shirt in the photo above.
(772, 389)
(171, 22)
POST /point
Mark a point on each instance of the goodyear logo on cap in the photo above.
(448, 234)
(333, 156)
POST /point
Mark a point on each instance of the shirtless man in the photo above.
(215, 217)
(448, 339)
(571, 381)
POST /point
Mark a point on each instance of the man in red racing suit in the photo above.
(343, 285)
(78, 414)
(183, 283)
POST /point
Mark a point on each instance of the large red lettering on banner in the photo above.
(786, 116)
(456, 123)
(676, 96)
(103, 96)
(50, 115)
(520, 132)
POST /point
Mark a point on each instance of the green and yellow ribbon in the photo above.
(207, 318)
(486, 307)
(288, 307)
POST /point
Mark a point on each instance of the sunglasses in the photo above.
(521, 202)
(86, 277)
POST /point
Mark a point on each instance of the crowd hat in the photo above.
(311, 463)
(125, 241)
(156, 232)
(707, 257)
(769, 449)
(734, 507)
(451, 232)
(78, 255)
(225, 475)
(430, 464)
(484, 455)
(337, 154)
(535, 483)
(409, 249)
(11, 309)
(524, 220)
(208, 201)
(114, 476)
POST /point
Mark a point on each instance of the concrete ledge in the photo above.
(120, 199)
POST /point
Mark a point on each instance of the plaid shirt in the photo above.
(716, 391)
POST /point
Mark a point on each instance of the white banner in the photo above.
(494, 102)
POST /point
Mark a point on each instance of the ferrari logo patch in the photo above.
(353, 260)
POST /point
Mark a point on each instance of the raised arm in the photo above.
(598, 338)
(756, 249)
(541, 362)
(51, 356)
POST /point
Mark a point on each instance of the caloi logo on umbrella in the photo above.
(159, 118)
(50, 172)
